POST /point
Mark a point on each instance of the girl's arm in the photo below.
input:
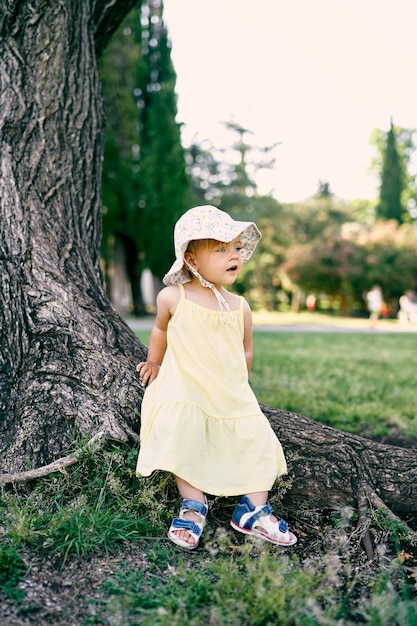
(166, 302)
(247, 336)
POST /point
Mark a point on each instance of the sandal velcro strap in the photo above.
(186, 524)
(256, 521)
(194, 528)
(194, 505)
(264, 510)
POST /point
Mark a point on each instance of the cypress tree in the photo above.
(393, 181)
(119, 68)
(164, 190)
(145, 185)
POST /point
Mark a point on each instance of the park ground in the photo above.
(305, 322)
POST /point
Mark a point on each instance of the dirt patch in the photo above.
(67, 596)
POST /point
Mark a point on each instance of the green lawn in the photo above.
(355, 381)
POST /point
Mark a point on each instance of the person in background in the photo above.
(311, 302)
(375, 302)
(408, 307)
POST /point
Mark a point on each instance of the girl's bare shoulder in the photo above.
(234, 301)
(168, 297)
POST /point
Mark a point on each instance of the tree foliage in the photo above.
(346, 263)
(209, 175)
(119, 69)
(164, 185)
(145, 185)
(396, 185)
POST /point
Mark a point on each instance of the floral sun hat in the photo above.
(208, 222)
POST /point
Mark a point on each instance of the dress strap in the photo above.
(182, 291)
(241, 315)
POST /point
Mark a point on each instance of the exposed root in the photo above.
(363, 526)
(131, 434)
(377, 502)
(95, 443)
(368, 498)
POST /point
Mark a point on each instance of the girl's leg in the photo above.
(259, 499)
(188, 492)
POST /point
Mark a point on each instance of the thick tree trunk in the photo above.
(67, 360)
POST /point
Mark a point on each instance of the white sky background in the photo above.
(316, 75)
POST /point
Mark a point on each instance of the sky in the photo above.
(314, 76)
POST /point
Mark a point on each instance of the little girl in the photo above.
(200, 418)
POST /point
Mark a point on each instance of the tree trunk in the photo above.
(67, 360)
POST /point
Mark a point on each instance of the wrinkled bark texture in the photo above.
(331, 469)
(67, 360)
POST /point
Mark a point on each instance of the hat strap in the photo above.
(220, 299)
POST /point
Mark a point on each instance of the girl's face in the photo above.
(219, 263)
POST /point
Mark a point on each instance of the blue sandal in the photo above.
(195, 529)
(256, 520)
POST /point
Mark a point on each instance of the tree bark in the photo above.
(331, 469)
(67, 360)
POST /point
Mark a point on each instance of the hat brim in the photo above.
(247, 231)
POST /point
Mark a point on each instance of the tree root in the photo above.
(380, 504)
(94, 444)
(368, 498)
(363, 525)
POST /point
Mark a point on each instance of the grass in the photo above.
(354, 381)
(351, 380)
(251, 588)
(98, 507)
(330, 320)
(12, 570)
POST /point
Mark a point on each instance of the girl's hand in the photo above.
(148, 371)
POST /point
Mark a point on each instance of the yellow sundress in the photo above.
(200, 418)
